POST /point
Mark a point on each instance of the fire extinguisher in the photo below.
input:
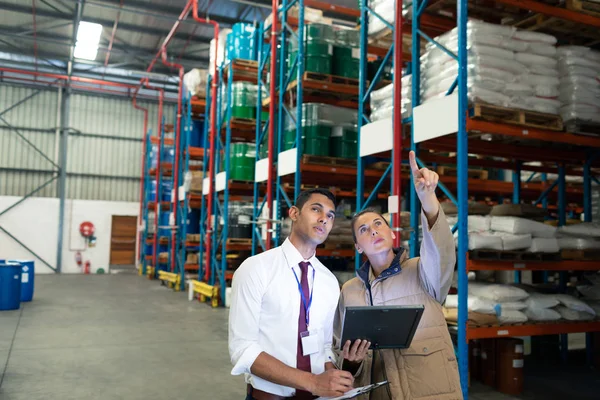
(78, 259)
(87, 268)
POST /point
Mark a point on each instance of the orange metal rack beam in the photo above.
(491, 332)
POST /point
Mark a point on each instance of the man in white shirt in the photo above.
(282, 308)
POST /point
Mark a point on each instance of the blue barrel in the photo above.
(166, 189)
(168, 155)
(151, 193)
(163, 220)
(197, 134)
(10, 286)
(153, 156)
(243, 42)
(27, 278)
(193, 225)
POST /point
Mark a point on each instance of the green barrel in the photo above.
(242, 161)
(315, 139)
(243, 100)
(344, 142)
(346, 54)
(318, 49)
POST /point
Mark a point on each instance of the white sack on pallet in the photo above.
(583, 112)
(574, 304)
(387, 10)
(542, 49)
(474, 303)
(511, 305)
(535, 59)
(477, 223)
(483, 241)
(512, 242)
(195, 82)
(586, 229)
(536, 79)
(542, 314)
(544, 245)
(589, 292)
(568, 243)
(496, 292)
(516, 225)
(511, 317)
(565, 70)
(579, 51)
(579, 62)
(540, 301)
(535, 37)
(541, 69)
(596, 306)
(540, 104)
(574, 315)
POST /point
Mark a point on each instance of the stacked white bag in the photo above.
(539, 87)
(579, 85)
(509, 301)
(387, 10)
(505, 67)
(382, 100)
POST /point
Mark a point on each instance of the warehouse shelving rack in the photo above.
(226, 190)
(578, 156)
(289, 167)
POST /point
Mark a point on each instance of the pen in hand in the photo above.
(334, 363)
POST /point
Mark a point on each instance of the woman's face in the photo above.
(373, 234)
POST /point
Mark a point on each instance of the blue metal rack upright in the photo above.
(146, 250)
(392, 172)
(184, 201)
(284, 79)
(264, 56)
(203, 202)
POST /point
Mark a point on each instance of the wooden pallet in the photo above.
(471, 173)
(583, 127)
(246, 70)
(239, 241)
(514, 116)
(325, 78)
(193, 237)
(581, 255)
(322, 160)
(497, 255)
(586, 7)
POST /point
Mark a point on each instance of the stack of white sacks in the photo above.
(506, 67)
(509, 233)
(579, 69)
(387, 10)
(511, 304)
(382, 100)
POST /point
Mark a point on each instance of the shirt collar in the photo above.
(293, 256)
(365, 274)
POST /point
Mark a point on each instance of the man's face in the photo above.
(373, 235)
(315, 220)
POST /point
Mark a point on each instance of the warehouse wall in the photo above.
(35, 223)
(104, 146)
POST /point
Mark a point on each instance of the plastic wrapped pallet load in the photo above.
(382, 100)
(387, 10)
(586, 229)
(573, 243)
(511, 242)
(578, 67)
(574, 315)
(195, 82)
(507, 67)
(574, 304)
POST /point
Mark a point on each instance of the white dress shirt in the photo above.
(265, 306)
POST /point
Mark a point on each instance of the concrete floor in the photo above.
(125, 337)
(114, 337)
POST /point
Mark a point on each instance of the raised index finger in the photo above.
(413, 162)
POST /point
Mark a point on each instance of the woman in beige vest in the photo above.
(428, 369)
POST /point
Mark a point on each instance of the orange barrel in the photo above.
(488, 362)
(510, 362)
(475, 359)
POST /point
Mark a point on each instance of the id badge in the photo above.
(310, 343)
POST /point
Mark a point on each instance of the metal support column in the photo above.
(587, 216)
(62, 179)
(562, 219)
(516, 178)
(463, 211)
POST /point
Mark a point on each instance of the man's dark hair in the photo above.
(305, 195)
(363, 212)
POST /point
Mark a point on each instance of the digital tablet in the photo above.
(386, 327)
